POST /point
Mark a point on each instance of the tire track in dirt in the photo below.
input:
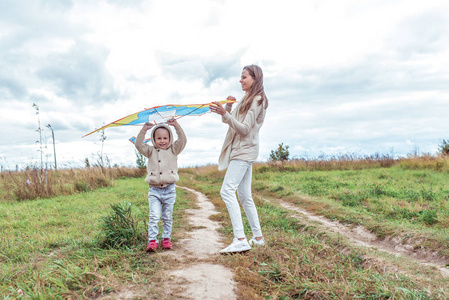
(200, 278)
(360, 236)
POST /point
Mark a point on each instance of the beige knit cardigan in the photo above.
(242, 139)
(162, 165)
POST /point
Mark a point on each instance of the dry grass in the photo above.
(35, 183)
(356, 162)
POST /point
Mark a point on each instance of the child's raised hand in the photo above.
(172, 122)
(147, 126)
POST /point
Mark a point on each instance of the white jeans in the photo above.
(238, 177)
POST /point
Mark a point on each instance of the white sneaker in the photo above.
(237, 246)
(254, 242)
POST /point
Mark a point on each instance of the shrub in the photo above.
(119, 229)
(81, 186)
(141, 160)
(444, 147)
(280, 154)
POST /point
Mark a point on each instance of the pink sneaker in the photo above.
(152, 246)
(166, 243)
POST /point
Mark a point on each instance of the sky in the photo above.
(342, 77)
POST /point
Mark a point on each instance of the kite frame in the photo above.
(198, 106)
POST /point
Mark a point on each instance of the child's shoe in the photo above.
(254, 242)
(166, 243)
(152, 246)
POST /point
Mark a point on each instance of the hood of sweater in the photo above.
(153, 140)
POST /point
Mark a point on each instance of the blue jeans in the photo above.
(161, 200)
(238, 177)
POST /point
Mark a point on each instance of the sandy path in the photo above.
(202, 278)
(199, 276)
(359, 235)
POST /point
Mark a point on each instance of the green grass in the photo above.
(385, 200)
(301, 261)
(49, 248)
(375, 191)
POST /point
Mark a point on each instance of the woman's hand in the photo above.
(229, 104)
(231, 98)
(217, 108)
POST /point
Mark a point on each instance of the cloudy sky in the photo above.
(342, 76)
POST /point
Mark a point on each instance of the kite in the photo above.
(133, 140)
(160, 114)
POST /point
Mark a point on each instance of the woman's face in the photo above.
(246, 81)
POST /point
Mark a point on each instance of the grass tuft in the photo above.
(119, 229)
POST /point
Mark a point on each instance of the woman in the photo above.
(240, 150)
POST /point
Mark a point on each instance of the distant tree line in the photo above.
(281, 153)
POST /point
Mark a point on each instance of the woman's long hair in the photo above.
(256, 89)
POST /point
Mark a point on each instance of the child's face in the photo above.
(162, 138)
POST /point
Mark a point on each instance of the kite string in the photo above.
(191, 111)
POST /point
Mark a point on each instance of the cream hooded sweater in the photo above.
(162, 165)
(242, 139)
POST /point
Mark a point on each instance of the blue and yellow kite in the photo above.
(160, 114)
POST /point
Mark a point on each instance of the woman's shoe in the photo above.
(255, 242)
(237, 246)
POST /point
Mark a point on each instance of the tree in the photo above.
(444, 147)
(280, 154)
(141, 160)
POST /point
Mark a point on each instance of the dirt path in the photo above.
(359, 235)
(202, 278)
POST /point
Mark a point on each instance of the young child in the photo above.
(162, 174)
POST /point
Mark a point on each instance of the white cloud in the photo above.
(340, 75)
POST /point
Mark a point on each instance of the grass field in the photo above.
(387, 201)
(50, 248)
(302, 261)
